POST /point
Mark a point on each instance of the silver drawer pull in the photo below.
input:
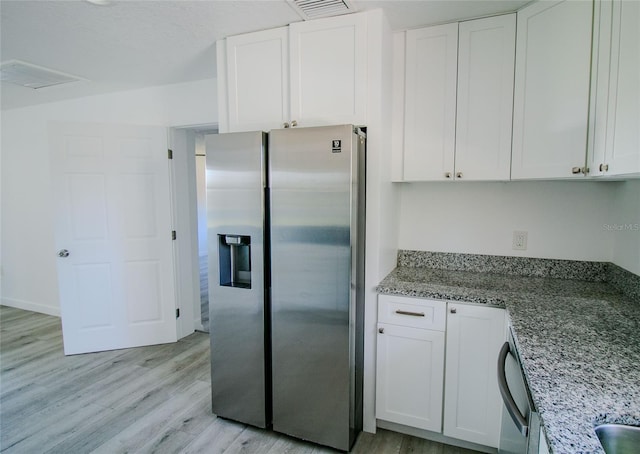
(415, 314)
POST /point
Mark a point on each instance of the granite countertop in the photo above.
(579, 343)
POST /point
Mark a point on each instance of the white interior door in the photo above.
(113, 215)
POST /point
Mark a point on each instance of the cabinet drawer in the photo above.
(412, 312)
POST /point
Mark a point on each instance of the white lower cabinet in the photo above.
(472, 403)
(417, 383)
(410, 376)
(410, 355)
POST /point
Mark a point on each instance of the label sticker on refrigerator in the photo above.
(336, 146)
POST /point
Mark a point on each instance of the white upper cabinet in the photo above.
(551, 96)
(258, 80)
(458, 99)
(307, 74)
(397, 107)
(624, 95)
(615, 147)
(329, 70)
(486, 53)
(430, 103)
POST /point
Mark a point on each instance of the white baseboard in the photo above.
(197, 324)
(31, 306)
(434, 436)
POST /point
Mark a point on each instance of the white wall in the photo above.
(564, 219)
(29, 278)
(623, 226)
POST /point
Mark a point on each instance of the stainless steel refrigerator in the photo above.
(286, 219)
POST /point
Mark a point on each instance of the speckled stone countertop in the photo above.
(579, 343)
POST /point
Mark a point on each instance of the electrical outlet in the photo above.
(519, 240)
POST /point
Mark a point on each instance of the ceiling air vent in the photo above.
(312, 9)
(33, 76)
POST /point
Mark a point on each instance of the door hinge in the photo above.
(170, 153)
(173, 235)
(178, 313)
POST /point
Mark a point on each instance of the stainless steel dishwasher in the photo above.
(520, 422)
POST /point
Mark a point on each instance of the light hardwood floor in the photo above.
(204, 291)
(142, 400)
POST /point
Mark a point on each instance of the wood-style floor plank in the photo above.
(383, 441)
(204, 291)
(154, 399)
(157, 427)
(216, 438)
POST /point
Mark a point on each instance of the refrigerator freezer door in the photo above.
(235, 228)
(313, 197)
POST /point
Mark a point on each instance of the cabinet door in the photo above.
(397, 107)
(472, 403)
(598, 104)
(623, 123)
(328, 70)
(258, 80)
(430, 102)
(410, 372)
(551, 96)
(485, 98)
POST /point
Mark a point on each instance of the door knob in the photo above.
(63, 253)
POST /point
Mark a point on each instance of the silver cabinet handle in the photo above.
(459, 175)
(447, 175)
(576, 170)
(63, 253)
(414, 314)
(604, 167)
(294, 123)
(381, 330)
(519, 420)
(453, 310)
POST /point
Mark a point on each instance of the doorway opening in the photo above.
(189, 142)
(201, 199)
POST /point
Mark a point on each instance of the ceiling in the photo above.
(132, 44)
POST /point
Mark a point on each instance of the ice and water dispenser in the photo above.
(235, 260)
